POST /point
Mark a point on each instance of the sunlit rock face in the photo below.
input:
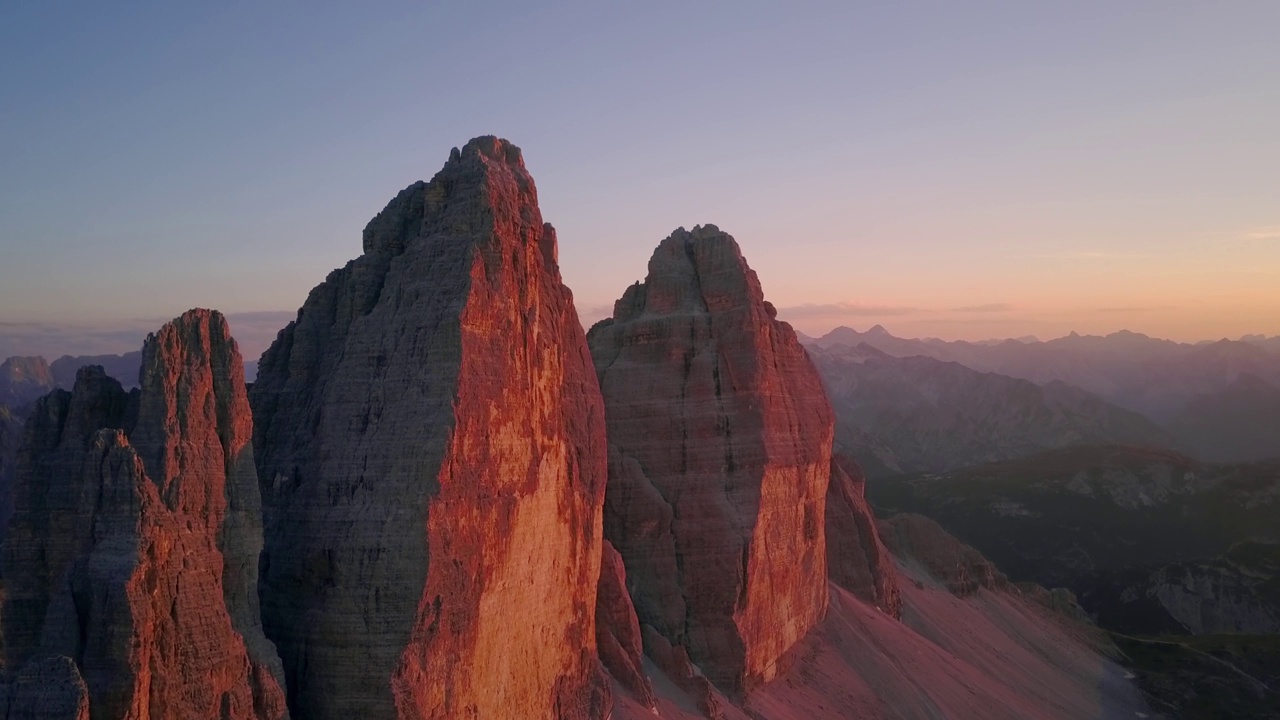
(132, 558)
(430, 438)
(719, 456)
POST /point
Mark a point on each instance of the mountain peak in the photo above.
(485, 179)
(454, 319)
(702, 270)
(696, 352)
(491, 147)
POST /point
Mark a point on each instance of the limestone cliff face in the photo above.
(856, 559)
(719, 455)
(131, 560)
(430, 440)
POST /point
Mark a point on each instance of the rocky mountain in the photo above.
(1150, 541)
(719, 457)
(918, 414)
(123, 367)
(724, 520)
(1183, 387)
(441, 498)
(431, 445)
(131, 561)
(23, 379)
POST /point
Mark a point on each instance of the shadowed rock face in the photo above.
(920, 542)
(430, 437)
(856, 559)
(10, 436)
(131, 560)
(50, 689)
(719, 456)
(618, 631)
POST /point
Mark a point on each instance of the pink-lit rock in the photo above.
(132, 556)
(719, 455)
(431, 443)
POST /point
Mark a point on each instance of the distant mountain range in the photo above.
(1219, 400)
(1270, 343)
(920, 414)
(23, 379)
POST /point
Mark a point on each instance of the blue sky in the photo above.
(964, 170)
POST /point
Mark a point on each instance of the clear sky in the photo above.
(962, 170)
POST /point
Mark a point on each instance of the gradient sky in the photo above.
(961, 170)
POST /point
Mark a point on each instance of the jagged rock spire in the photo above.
(430, 437)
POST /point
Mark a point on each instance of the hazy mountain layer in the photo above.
(1238, 422)
(1219, 399)
(918, 414)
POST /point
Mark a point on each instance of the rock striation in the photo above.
(719, 456)
(430, 439)
(131, 558)
(856, 559)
